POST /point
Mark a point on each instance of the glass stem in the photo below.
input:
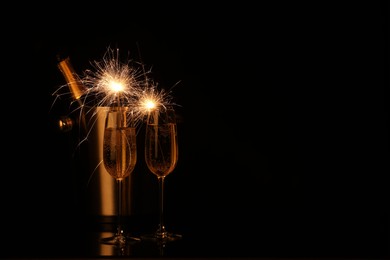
(161, 229)
(119, 227)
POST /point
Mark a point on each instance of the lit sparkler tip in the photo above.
(116, 86)
(151, 99)
(150, 105)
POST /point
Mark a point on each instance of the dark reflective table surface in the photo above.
(53, 239)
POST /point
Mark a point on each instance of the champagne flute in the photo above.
(161, 156)
(119, 159)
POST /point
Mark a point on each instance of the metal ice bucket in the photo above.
(98, 188)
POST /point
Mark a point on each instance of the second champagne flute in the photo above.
(161, 156)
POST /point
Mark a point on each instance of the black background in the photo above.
(283, 122)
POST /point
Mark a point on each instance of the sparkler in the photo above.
(114, 83)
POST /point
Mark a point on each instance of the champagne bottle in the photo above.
(76, 88)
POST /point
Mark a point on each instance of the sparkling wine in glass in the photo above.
(119, 159)
(161, 156)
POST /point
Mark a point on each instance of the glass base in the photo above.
(119, 239)
(161, 237)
